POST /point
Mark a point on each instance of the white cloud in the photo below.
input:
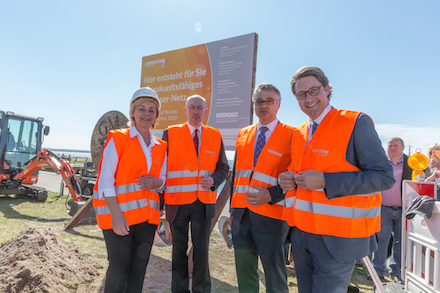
(413, 137)
(198, 27)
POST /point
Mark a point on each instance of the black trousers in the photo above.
(200, 231)
(128, 258)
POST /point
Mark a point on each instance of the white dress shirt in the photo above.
(110, 161)
(270, 128)
(199, 135)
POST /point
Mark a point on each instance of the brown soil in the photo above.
(38, 261)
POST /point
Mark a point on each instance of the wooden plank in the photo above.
(79, 214)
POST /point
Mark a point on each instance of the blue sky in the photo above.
(72, 61)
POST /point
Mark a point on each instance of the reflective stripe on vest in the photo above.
(351, 216)
(273, 160)
(336, 211)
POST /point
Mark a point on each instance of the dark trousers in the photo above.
(249, 243)
(200, 230)
(317, 271)
(128, 258)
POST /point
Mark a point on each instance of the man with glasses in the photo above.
(258, 230)
(196, 166)
(333, 187)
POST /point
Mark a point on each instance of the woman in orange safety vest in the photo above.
(126, 198)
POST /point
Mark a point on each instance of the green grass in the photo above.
(19, 213)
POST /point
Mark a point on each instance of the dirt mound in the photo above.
(37, 261)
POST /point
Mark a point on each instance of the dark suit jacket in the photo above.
(407, 171)
(219, 175)
(364, 151)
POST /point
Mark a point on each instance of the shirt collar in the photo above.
(399, 161)
(134, 132)
(271, 126)
(320, 117)
(192, 128)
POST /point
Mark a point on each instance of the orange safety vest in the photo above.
(137, 204)
(185, 170)
(273, 160)
(350, 216)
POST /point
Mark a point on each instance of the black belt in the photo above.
(394, 208)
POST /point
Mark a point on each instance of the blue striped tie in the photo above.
(261, 141)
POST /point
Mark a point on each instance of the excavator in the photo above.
(21, 157)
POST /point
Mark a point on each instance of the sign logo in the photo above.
(158, 63)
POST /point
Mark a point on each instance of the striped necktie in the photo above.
(261, 141)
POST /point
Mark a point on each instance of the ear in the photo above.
(327, 90)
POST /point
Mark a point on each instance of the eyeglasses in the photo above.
(193, 108)
(268, 102)
(313, 91)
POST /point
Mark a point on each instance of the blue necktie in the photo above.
(261, 141)
(314, 125)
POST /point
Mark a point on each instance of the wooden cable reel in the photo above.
(109, 121)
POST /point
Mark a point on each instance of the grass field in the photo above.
(18, 213)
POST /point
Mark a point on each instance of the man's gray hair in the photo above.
(195, 97)
(265, 87)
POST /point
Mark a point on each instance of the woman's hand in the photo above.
(434, 176)
(149, 182)
(120, 224)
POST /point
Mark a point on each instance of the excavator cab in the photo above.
(20, 140)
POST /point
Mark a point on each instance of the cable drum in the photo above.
(109, 121)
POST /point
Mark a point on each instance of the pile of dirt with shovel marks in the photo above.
(38, 261)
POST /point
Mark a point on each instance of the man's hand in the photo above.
(207, 182)
(149, 182)
(258, 196)
(310, 180)
(287, 180)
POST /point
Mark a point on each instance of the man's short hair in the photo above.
(310, 71)
(195, 97)
(397, 138)
(264, 86)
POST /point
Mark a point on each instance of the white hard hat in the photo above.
(162, 237)
(225, 230)
(144, 92)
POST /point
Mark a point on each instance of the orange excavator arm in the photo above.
(47, 157)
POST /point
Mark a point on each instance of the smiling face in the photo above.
(145, 115)
(195, 110)
(313, 106)
(266, 105)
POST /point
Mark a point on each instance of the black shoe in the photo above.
(352, 289)
(382, 278)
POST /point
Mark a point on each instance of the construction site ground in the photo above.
(37, 255)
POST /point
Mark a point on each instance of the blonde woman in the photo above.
(126, 199)
(433, 171)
